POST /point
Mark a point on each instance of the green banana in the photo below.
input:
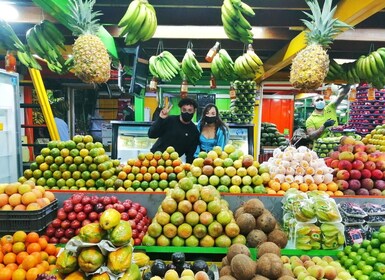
(373, 65)
(380, 64)
(171, 58)
(152, 67)
(367, 68)
(154, 23)
(135, 27)
(33, 43)
(251, 62)
(250, 51)
(52, 33)
(147, 25)
(131, 14)
(246, 9)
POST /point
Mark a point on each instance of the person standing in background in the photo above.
(324, 116)
(213, 131)
(60, 109)
(176, 131)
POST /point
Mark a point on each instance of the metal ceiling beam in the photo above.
(349, 11)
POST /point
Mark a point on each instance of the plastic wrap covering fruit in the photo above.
(304, 211)
(326, 210)
(307, 236)
(332, 235)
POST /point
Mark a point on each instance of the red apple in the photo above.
(50, 231)
(68, 207)
(137, 241)
(81, 216)
(53, 240)
(379, 184)
(77, 231)
(94, 200)
(345, 165)
(98, 208)
(124, 216)
(127, 204)
(207, 161)
(56, 223)
(86, 199)
(380, 165)
(65, 224)
(136, 206)
(334, 163)
(93, 216)
(108, 206)
(63, 240)
(88, 208)
(59, 233)
(328, 161)
(359, 148)
(119, 207)
(362, 191)
(366, 173)
(132, 223)
(114, 199)
(78, 208)
(106, 200)
(61, 214)
(69, 233)
(86, 222)
(132, 213)
(75, 224)
(77, 198)
(345, 148)
(370, 165)
(370, 148)
(71, 216)
(334, 154)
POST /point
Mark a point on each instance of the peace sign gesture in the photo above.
(166, 109)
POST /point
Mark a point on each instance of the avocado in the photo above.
(158, 268)
(147, 275)
(178, 258)
(199, 265)
(211, 275)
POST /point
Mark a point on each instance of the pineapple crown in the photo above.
(322, 26)
(82, 19)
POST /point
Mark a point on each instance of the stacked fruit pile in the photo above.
(77, 164)
(153, 171)
(312, 221)
(227, 116)
(299, 168)
(270, 136)
(229, 171)
(193, 215)
(110, 252)
(359, 168)
(243, 105)
(81, 209)
(366, 114)
(25, 255)
(179, 267)
(24, 196)
(366, 260)
(258, 224)
(376, 137)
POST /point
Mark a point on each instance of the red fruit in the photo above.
(334, 154)
(137, 241)
(114, 199)
(56, 223)
(59, 233)
(334, 163)
(343, 175)
(355, 174)
(362, 156)
(86, 199)
(370, 165)
(367, 183)
(86, 222)
(342, 185)
(77, 198)
(78, 208)
(75, 224)
(69, 233)
(81, 216)
(63, 240)
(354, 184)
(143, 210)
(99, 208)
(376, 192)
(362, 191)
(119, 207)
(132, 213)
(127, 204)
(88, 208)
(54, 240)
(136, 206)
(132, 223)
(328, 161)
(379, 184)
(77, 231)
(68, 207)
(61, 214)
(124, 216)
(50, 231)
(135, 233)
(345, 165)
(359, 148)
(380, 165)
(106, 200)
(94, 200)
(366, 173)
(65, 224)
(71, 216)
(377, 174)
(93, 216)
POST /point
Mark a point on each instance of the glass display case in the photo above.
(129, 139)
(10, 147)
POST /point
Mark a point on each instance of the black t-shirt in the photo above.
(172, 132)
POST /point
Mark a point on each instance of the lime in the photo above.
(348, 249)
(375, 275)
(365, 256)
(55, 152)
(352, 255)
(361, 264)
(135, 184)
(70, 144)
(353, 268)
(381, 257)
(375, 234)
(363, 277)
(70, 182)
(144, 185)
(59, 160)
(361, 251)
(45, 151)
(375, 242)
(381, 237)
(61, 182)
(52, 144)
(380, 267)
(76, 175)
(33, 166)
(153, 184)
(53, 167)
(371, 260)
(367, 269)
(356, 246)
(340, 254)
(365, 243)
(51, 182)
(358, 274)
(356, 259)
(382, 229)
(382, 247)
(348, 262)
(375, 252)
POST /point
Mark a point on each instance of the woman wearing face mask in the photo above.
(324, 116)
(176, 131)
(213, 131)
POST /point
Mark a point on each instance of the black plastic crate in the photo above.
(11, 221)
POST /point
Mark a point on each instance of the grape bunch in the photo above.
(45, 276)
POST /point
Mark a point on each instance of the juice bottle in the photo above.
(184, 89)
(352, 95)
(212, 52)
(371, 94)
(153, 84)
(232, 92)
(213, 82)
(10, 62)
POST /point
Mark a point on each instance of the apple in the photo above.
(106, 200)
(85, 200)
(132, 213)
(98, 208)
(143, 210)
(94, 200)
(334, 163)
(359, 148)
(380, 165)
(68, 207)
(355, 174)
(345, 165)
(334, 154)
(81, 216)
(114, 199)
(127, 204)
(78, 208)
(59, 233)
(135, 233)
(63, 240)
(108, 206)
(54, 240)
(120, 208)
(342, 185)
(366, 173)
(379, 184)
(71, 216)
(354, 184)
(61, 214)
(132, 223)
(77, 198)
(69, 233)
(136, 206)
(77, 231)
(56, 223)
(50, 231)
(65, 224)
(124, 216)
(377, 174)
(86, 222)
(367, 183)
(93, 216)
(357, 164)
(88, 208)
(75, 224)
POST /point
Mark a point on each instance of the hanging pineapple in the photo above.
(91, 59)
(310, 66)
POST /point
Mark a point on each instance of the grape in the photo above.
(44, 276)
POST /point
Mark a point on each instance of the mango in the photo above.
(133, 273)
(76, 275)
(109, 219)
(101, 276)
(120, 260)
(90, 259)
(121, 234)
(66, 262)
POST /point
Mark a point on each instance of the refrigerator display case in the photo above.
(10, 148)
(129, 139)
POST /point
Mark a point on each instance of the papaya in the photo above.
(90, 259)
(121, 234)
(101, 276)
(66, 262)
(133, 273)
(120, 260)
(109, 219)
(141, 259)
(76, 275)
(92, 233)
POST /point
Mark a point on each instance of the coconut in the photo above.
(254, 206)
(246, 223)
(266, 222)
(238, 212)
(225, 270)
(270, 266)
(225, 261)
(269, 247)
(237, 249)
(227, 277)
(260, 277)
(255, 238)
(278, 237)
(243, 267)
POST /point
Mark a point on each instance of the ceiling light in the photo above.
(342, 60)
(8, 12)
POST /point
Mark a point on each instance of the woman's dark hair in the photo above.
(218, 122)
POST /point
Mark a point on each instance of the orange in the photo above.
(338, 193)
(6, 273)
(9, 258)
(51, 259)
(32, 273)
(322, 187)
(51, 249)
(2, 265)
(18, 247)
(20, 257)
(1, 257)
(32, 237)
(44, 255)
(6, 248)
(270, 183)
(37, 255)
(43, 243)
(19, 274)
(332, 186)
(29, 262)
(285, 186)
(304, 187)
(276, 186)
(294, 185)
(6, 239)
(33, 247)
(19, 236)
(270, 191)
(12, 266)
(281, 192)
(51, 267)
(330, 193)
(45, 264)
(313, 187)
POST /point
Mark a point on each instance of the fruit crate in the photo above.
(11, 221)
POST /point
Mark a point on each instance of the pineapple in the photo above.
(91, 59)
(311, 65)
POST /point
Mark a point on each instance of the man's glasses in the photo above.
(319, 99)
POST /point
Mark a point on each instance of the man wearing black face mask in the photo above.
(213, 131)
(176, 131)
(324, 116)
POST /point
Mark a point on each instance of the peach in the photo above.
(49, 195)
(334, 163)
(343, 175)
(316, 271)
(367, 183)
(7, 207)
(356, 174)
(370, 165)
(358, 164)
(308, 263)
(380, 165)
(342, 185)
(346, 148)
(359, 148)
(345, 164)
(362, 156)
(354, 184)
(37, 192)
(334, 154)
(349, 156)
(20, 207)
(377, 174)
(370, 148)
(12, 188)
(366, 173)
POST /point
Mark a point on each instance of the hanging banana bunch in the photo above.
(191, 69)
(164, 66)
(222, 66)
(249, 65)
(139, 23)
